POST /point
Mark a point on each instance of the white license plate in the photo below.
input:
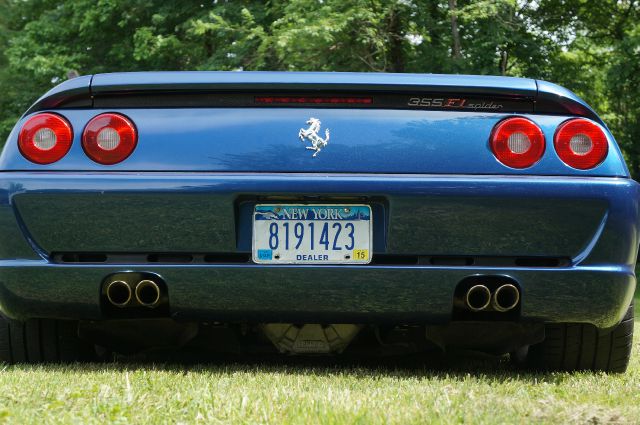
(312, 234)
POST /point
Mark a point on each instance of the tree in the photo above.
(591, 47)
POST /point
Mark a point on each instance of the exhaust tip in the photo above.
(148, 293)
(478, 298)
(119, 293)
(505, 298)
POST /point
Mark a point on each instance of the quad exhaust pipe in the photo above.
(505, 298)
(121, 294)
(478, 298)
(148, 293)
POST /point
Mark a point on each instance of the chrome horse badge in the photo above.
(311, 134)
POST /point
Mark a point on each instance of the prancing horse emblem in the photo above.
(311, 134)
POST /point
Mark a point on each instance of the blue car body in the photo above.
(444, 209)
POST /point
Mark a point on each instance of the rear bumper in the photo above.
(590, 222)
(333, 294)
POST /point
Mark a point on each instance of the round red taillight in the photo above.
(581, 143)
(109, 138)
(517, 142)
(45, 138)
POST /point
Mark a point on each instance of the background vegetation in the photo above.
(589, 46)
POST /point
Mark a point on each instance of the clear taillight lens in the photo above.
(517, 142)
(109, 138)
(45, 138)
(581, 143)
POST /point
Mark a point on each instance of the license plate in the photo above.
(312, 234)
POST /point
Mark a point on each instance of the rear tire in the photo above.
(571, 347)
(42, 341)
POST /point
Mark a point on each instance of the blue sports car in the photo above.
(316, 213)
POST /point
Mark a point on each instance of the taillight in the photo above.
(109, 138)
(45, 138)
(517, 142)
(581, 143)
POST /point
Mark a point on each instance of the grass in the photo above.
(481, 392)
(299, 395)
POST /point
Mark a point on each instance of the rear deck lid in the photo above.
(313, 122)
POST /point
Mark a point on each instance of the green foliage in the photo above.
(622, 82)
(589, 46)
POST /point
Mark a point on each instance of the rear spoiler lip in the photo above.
(310, 81)
(79, 92)
(556, 100)
(74, 93)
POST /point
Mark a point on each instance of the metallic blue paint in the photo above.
(434, 186)
(266, 140)
(423, 214)
(594, 221)
(342, 294)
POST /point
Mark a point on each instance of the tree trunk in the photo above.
(504, 61)
(455, 34)
(396, 51)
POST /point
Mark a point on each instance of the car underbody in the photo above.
(140, 335)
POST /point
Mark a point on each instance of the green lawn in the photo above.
(316, 392)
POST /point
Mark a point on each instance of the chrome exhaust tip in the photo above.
(148, 293)
(478, 298)
(119, 293)
(505, 298)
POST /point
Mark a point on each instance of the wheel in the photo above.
(570, 347)
(42, 341)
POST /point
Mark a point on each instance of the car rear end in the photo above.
(317, 212)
